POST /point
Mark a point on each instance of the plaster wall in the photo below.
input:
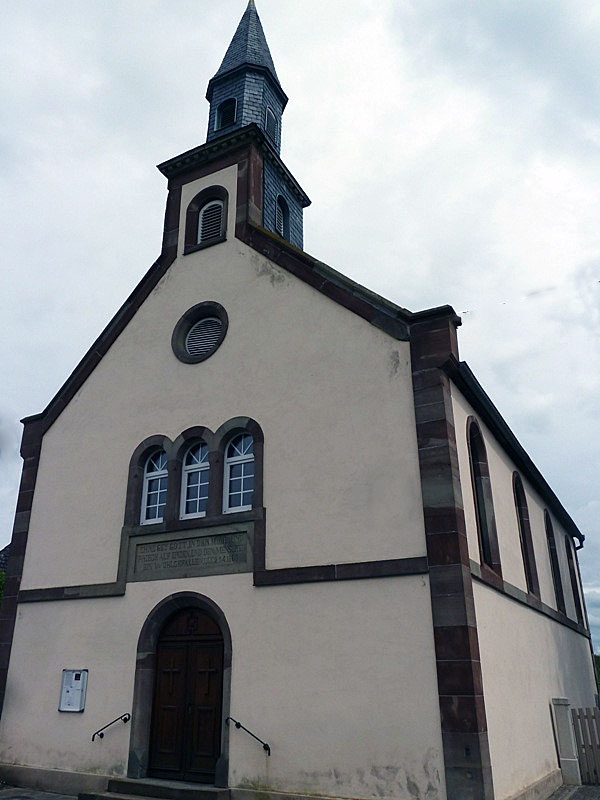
(338, 678)
(539, 659)
(501, 475)
(331, 392)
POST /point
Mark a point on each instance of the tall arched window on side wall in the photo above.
(482, 495)
(574, 580)
(238, 483)
(195, 481)
(554, 565)
(531, 577)
(206, 219)
(154, 494)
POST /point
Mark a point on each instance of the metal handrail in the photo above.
(254, 736)
(100, 733)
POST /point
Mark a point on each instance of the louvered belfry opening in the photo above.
(203, 337)
(279, 218)
(226, 113)
(210, 224)
(271, 125)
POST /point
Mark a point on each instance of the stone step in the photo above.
(149, 789)
(167, 790)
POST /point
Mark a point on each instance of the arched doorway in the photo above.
(185, 737)
(181, 694)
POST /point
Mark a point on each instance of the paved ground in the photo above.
(14, 793)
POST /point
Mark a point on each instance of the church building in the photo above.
(272, 536)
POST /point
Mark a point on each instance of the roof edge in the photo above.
(204, 153)
(247, 68)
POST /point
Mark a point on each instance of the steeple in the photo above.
(246, 88)
(248, 47)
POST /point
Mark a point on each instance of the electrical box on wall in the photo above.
(72, 690)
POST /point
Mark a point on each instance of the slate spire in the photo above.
(245, 89)
(249, 46)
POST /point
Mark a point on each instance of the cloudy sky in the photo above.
(451, 149)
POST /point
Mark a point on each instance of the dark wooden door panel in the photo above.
(166, 746)
(205, 680)
(185, 741)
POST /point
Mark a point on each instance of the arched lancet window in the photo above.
(282, 218)
(554, 565)
(154, 495)
(574, 581)
(226, 113)
(482, 494)
(195, 481)
(271, 124)
(531, 577)
(238, 484)
(210, 222)
(206, 219)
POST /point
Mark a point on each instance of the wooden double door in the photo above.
(185, 737)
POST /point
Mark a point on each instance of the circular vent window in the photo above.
(199, 332)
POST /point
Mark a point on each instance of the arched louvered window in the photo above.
(571, 560)
(194, 482)
(482, 495)
(154, 495)
(531, 577)
(554, 564)
(282, 218)
(238, 484)
(271, 124)
(206, 219)
(210, 222)
(226, 113)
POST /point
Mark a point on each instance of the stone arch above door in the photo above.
(145, 676)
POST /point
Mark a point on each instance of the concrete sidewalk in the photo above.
(15, 793)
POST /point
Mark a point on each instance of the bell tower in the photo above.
(246, 92)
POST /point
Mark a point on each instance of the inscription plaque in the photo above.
(190, 556)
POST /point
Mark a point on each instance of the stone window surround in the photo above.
(527, 549)
(574, 578)
(554, 564)
(192, 218)
(488, 538)
(176, 451)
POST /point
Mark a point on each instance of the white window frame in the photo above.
(185, 472)
(150, 476)
(229, 463)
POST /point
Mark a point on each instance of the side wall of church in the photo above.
(338, 677)
(527, 657)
